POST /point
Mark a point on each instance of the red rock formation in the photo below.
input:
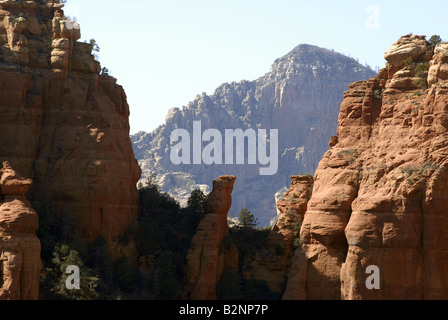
(292, 207)
(20, 262)
(205, 261)
(379, 194)
(64, 125)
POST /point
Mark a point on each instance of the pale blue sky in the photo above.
(165, 52)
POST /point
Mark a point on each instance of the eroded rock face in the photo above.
(292, 207)
(438, 69)
(20, 262)
(378, 197)
(205, 260)
(63, 124)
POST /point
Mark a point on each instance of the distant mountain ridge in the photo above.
(300, 97)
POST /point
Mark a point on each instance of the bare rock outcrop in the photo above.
(20, 262)
(205, 260)
(63, 123)
(379, 192)
(438, 70)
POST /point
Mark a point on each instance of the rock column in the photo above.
(20, 262)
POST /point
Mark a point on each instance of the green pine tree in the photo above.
(246, 219)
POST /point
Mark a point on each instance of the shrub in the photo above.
(435, 40)
(166, 277)
(421, 73)
(416, 172)
(409, 62)
(352, 154)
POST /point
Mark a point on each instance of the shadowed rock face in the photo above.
(20, 262)
(205, 260)
(379, 193)
(62, 124)
(300, 97)
(292, 207)
(272, 264)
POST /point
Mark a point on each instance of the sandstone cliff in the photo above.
(63, 124)
(20, 262)
(300, 97)
(205, 260)
(379, 193)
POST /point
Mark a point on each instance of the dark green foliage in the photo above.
(247, 240)
(348, 152)
(104, 71)
(296, 229)
(246, 219)
(124, 276)
(378, 93)
(159, 214)
(409, 62)
(193, 213)
(421, 73)
(415, 173)
(95, 46)
(98, 258)
(54, 276)
(232, 286)
(435, 40)
(166, 278)
(48, 231)
(101, 277)
(165, 232)
(163, 235)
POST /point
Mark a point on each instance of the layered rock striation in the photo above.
(379, 202)
(299, 97)
(63, 123)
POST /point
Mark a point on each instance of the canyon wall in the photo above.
(64, 124)
(379, 202)
(20, 263)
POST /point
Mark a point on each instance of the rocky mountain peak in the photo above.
(299, 97)
(307, 57)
